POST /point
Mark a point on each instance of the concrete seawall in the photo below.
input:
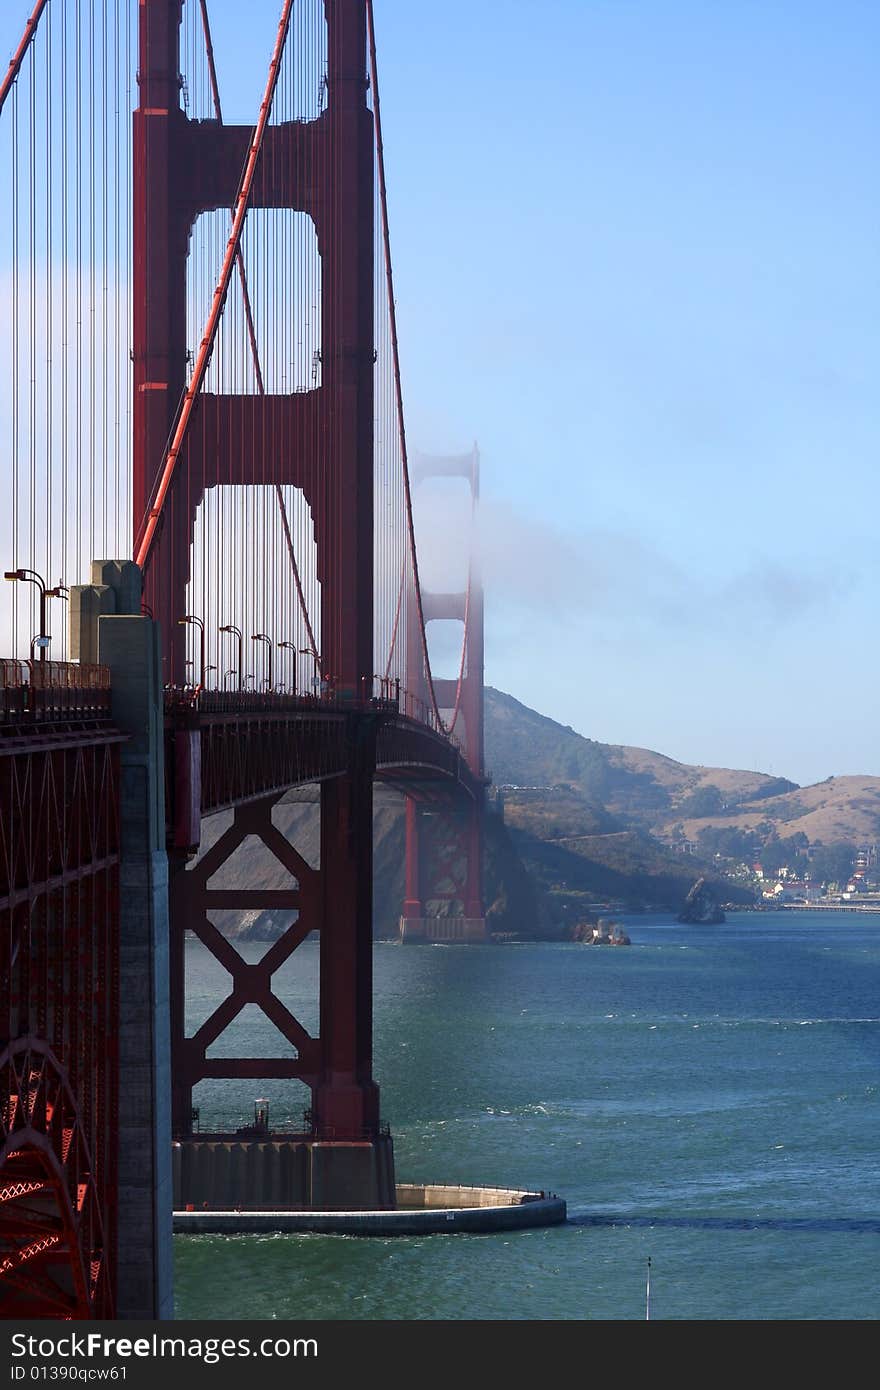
(423, 1209)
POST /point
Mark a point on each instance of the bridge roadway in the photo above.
(243, 746)
(223, 749)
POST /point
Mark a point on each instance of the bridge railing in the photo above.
(48, 692)
(378, 693)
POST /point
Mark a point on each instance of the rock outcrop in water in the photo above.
(601, 933)
(701, 906)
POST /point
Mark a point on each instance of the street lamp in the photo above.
(189, 620)
(210, 668)
(261, 637)
(227, 674)
(42, 638)
(310, 651)
(291, 647)
(236, 632)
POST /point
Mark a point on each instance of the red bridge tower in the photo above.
(444, 898)
(320, 441)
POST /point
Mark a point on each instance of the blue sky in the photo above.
(636, 256)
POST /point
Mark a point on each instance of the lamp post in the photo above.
(262, 637)
(210, 668)
(236, 632)
(42, 638)
(60, 591)
(308, 651)
(227, 674)
(190, 620)
(291, 647)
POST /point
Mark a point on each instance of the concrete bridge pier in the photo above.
(107, 626)
(130, 646)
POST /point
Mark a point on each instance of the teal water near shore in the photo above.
(708, 1097)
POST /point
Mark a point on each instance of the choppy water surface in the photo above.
(708, 1097)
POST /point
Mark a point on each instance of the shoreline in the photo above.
(867, 909)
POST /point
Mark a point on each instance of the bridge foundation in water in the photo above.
(279, 1172)
(443, 930)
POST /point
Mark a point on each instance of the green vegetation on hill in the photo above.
(524, 748)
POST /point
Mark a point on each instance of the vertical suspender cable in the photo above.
(252, 336)
(377, 117)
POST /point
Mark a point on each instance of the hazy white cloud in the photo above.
(593, 575)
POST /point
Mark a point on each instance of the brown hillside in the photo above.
(525, 749)
(843, 808)
(678, 779)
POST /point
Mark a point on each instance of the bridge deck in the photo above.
(227, 749)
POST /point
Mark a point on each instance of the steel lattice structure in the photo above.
(59, 861)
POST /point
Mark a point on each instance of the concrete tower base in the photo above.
(296, 1174)
(443, 929)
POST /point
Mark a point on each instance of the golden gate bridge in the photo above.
(213, 598)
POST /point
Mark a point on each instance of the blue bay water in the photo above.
(709, 1097)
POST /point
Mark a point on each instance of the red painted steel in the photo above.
(192, 901)
(251, 746)
(59, 892)
(325, 168)
(35, 693)
(59, 754)
(144, 544)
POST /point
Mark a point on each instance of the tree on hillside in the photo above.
(790, 853)
(705, 801)
(730, 842)
(832, 863)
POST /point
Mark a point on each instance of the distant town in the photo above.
(817, 875)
